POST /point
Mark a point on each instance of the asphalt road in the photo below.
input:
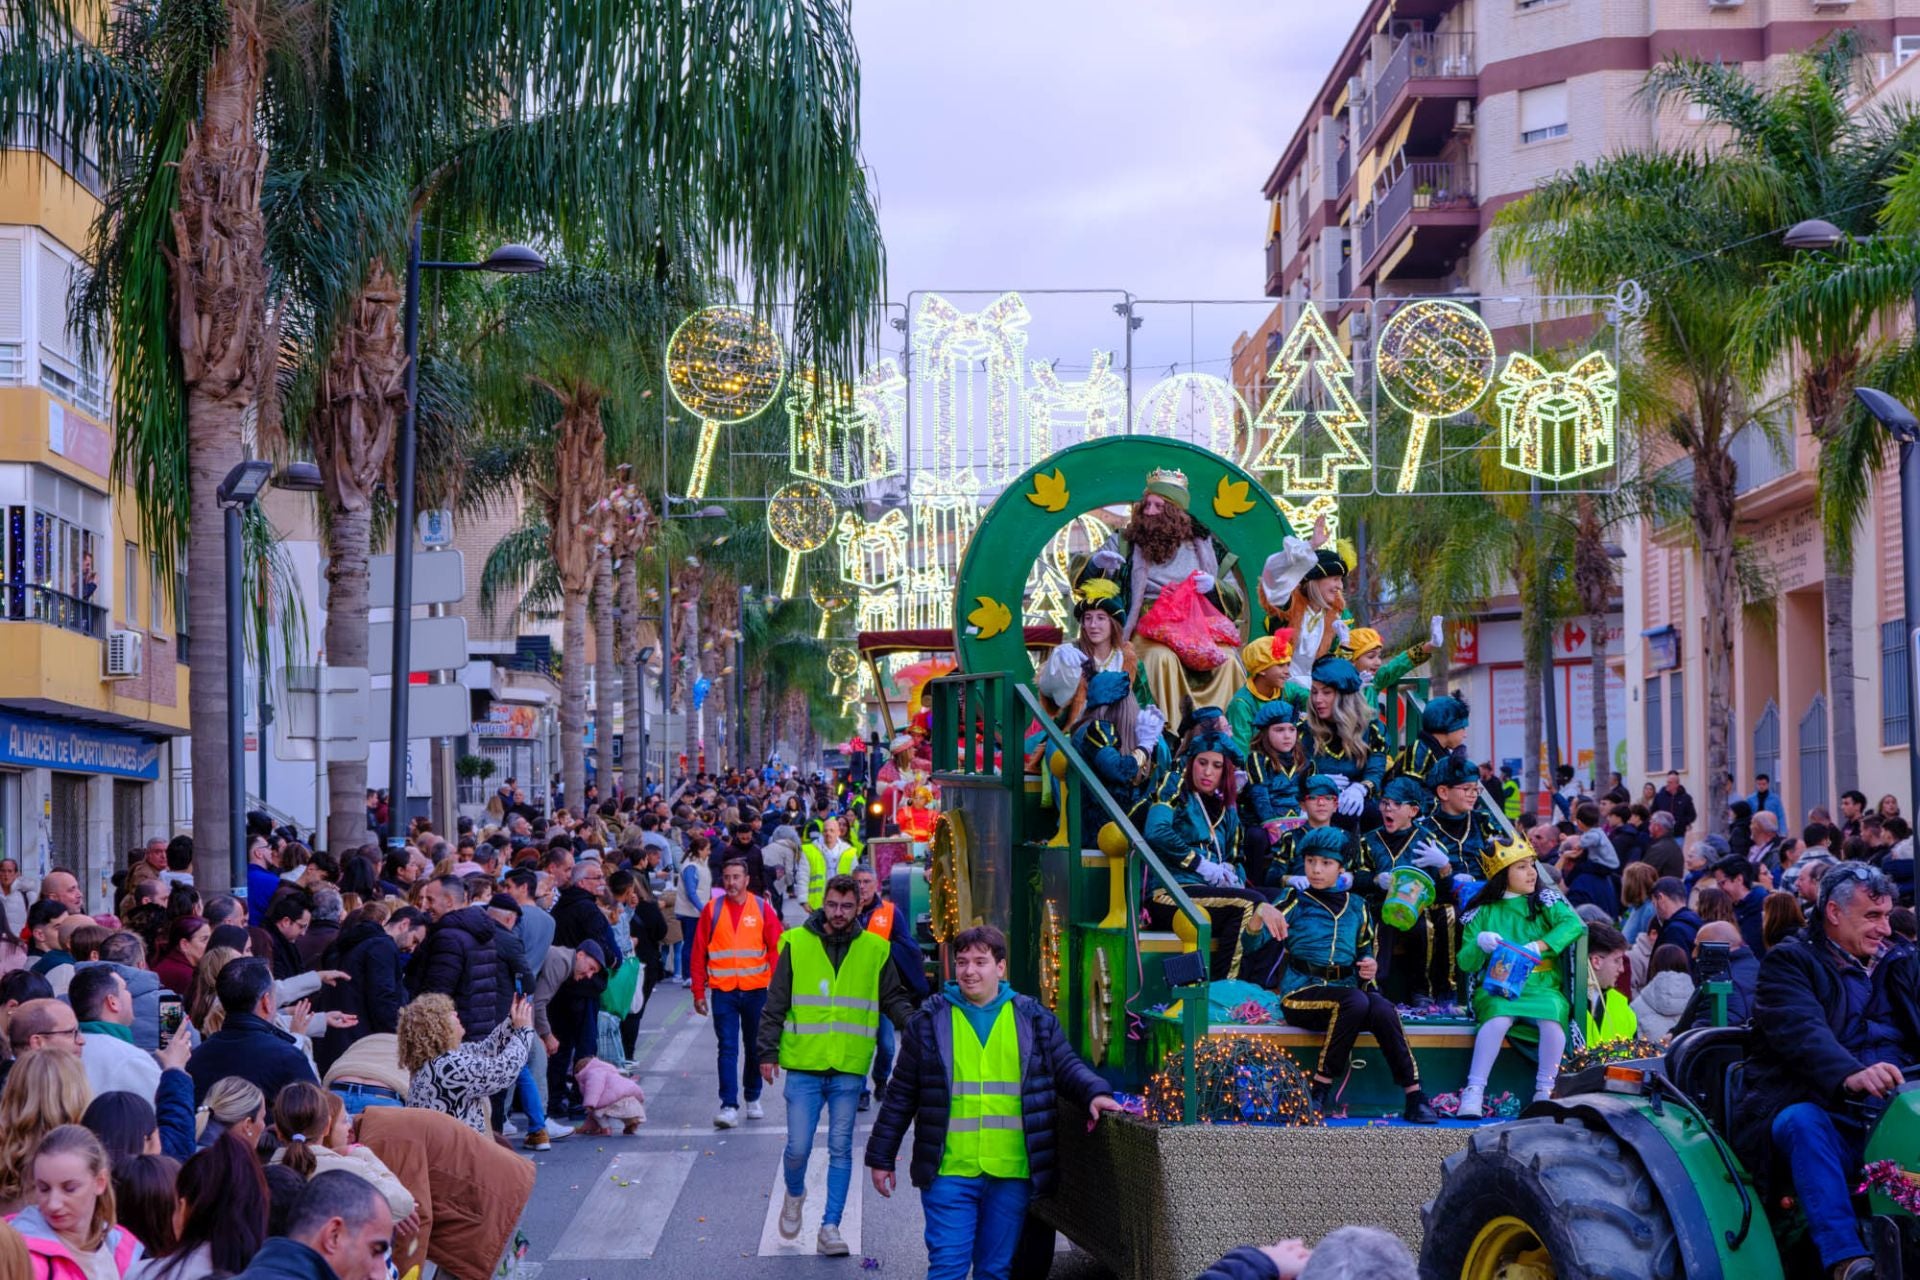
(683, 1198)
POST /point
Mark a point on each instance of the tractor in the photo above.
(1629, 1171)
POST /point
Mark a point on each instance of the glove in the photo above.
(1343, 882)
(1353, 798)
(1068, 656)
(1487, 940)
(1149, 725)
(1203, 582)
(1341, 630)
(1106, 558)
(1537, 948)
(1296, 883)
(1239, 780)
(1212, 872)
(1436, 631)
(1384, 880)
(1429, 856)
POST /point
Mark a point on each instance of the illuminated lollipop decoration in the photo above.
(800, 517)
(724, 366)
(828, 601)
(843, 664)
(1436, 359)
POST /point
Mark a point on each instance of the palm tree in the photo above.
(1796, 150)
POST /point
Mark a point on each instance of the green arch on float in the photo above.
(991, 587)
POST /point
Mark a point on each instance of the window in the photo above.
(130, 591)
(1904, 47)
(1543, 112)
(50, 549)
(1677, 720)
(1895, 730)
(1656, 729)
(156, 595)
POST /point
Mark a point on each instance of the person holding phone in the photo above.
(453, 1074)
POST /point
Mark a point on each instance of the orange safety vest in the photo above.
(737, 958)
(881, 921)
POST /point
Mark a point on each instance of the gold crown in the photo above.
(1503, 854)
(1167, 475)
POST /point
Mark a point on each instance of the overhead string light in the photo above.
(724, 365)
(852, 436)
(969, 367)
(1435, 359)
(1197, 407)
(945, 514)
(1071, 412)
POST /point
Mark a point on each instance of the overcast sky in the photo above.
(1088, 144)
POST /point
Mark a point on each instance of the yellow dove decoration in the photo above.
(990, 619)
(1230, 499)
(1049, 491)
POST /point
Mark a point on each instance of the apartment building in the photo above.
(1437, 114)
(93, 676)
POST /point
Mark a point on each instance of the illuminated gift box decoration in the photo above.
(1558, 425)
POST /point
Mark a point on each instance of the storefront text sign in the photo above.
(1791, 545)
(34, 743)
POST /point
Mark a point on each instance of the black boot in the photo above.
(1419, 1110)
(1323, 1097)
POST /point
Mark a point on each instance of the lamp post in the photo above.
(240, 489)
(507, 260)
(1899, 422)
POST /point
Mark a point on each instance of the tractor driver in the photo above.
(1836, 1014)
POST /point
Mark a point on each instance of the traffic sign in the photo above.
(348, 694)
(439, 577)
(438, 710)
(436, 528)
(437, 644)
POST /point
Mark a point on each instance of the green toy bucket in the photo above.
(1410, 893)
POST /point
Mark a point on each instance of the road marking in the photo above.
(616, 1221)
(746, 1129)
(773, 1245)
(670, 1057)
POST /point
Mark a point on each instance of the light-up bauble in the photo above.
(1434, 358)
(1557, 425)
(1199, 408)
(800, 516)
(724, 365)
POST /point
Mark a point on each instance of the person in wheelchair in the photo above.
(1836, 1016)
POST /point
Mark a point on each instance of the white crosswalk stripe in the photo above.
(771, 1243)
(626, 1221)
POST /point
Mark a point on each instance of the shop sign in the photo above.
(1466, 642)
(508, 720)
(1793, 549)
(34, 743)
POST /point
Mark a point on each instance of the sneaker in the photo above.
(790, 1208)
(555, 1129)
(509, 1130)
(538, 1141)
(829, 1242)
(866, 1099)
(755, 1111)
(1472, 1102)
(1419, 1110)
(726, 1117)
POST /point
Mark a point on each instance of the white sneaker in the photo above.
(555, 1129)
(829, 1243)
(1542, 1095)
(755, 1111)
(1472, 1100)
(790, 1208)
(512, 1130)
(726, 1117)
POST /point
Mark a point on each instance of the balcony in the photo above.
(82, 167)
(1342, 171)
(1278, 255)
(27, 603)
(1426, 73)
(1344, 281)
(1433, 203)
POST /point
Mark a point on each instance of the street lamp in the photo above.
(1900, 423)
(1814, 233)
(507, 260)
(242, 486)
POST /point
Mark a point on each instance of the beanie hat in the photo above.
(1338, 673)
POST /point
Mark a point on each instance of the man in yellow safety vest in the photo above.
(832, 985)
(979, 1071)
(828, 846)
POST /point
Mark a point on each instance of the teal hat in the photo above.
(1444, 714)
(1321, 784)
(1323, 842)
(1452, 771)
(1107, 686)
(1338, 673)
(1405, 790)
(1214, 740)
(1278, 711)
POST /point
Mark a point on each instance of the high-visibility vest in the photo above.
(817, 876)
(1617, 1020)
(737, 958)
(833, 1023)
(985, 1134)
(880, 922)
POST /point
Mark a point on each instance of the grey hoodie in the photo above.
(1660, 1003)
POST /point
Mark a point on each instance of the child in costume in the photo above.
(1121, 742)
(1266, 663)
(1422, 958)
(1327, 982)
(1456, 821)
(1305, 591)
(1443, 730)
(1516, 906)
(1200, 720)
(1196, 832)
(1270, 802)
(1367, 650)
(1319, 799)
(1347, 741)
(1062, 678)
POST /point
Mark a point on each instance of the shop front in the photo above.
(78, 796)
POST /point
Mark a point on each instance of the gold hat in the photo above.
(1171, 484)
(1259, 655)
(1503, 854)
(1363, 640)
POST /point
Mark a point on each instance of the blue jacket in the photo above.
(1771, 804)
(1179, 831)
(173, 1108)
(255, 1051)
(261, 885)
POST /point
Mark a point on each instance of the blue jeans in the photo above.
(683, 949)
(736, 1022)
(1823, 1150)
(359, 1097)
(974, 1224)
(807, 1093)
(883, 1057)
(528, 1090)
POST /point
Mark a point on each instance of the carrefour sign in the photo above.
(37, 743)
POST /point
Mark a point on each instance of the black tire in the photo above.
(1033, 1256)
(1585, 1196)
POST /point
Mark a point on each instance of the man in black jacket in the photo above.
(248, 1044)
(374, 958)
(1743, 975)
(1836, 1011)
(977, 1076)
(576, 911)
(459, 959)
(1674, 799)
(287, 921)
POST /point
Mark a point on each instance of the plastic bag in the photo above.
(1186, 622)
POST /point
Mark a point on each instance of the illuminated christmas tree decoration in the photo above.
(800, 516)
(851, 436)
(1557, 425)
(1435, 358)
(970, 365)
(724, 365)
(1294, 472)
(1301, 516)
(945, 514)
(1198, 408)
(873, 554)
(1070, 412)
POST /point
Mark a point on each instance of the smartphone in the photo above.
(172, 1014)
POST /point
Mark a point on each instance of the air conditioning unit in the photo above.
(123, 654)
(1463, 116)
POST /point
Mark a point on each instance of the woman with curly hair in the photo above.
(46, 1089)
(1347, 741)
(456, 1077)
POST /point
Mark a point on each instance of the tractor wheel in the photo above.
(1539, 1199)
(1033, 1256)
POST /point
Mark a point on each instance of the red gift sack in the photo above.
(1186, 622)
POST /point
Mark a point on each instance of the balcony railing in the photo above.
(30, 603)
(1277, 257)
(83, 168)
(1342, 170)
(81, 387)
(1345, 279)
(1420, 55)
(1422, 184)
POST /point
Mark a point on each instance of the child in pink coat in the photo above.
(608, 1095)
